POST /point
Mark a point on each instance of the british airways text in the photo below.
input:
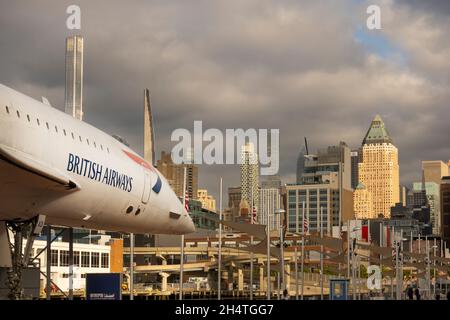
(98, 172)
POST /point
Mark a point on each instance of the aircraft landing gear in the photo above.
(22, 230)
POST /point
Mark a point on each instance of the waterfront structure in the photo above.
(379, 169)
(174, 173)
(74, 77)
(362, 202)
(249, 175)
(208, 201)
(87, 258)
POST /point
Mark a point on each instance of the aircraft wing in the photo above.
(26, 162)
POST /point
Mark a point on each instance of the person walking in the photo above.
(286, 295)
(410, 293)
(417, 293)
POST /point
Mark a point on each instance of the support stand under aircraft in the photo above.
(19, 257)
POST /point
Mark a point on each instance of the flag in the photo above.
(305, 226)
(254, 215)
(186, 201)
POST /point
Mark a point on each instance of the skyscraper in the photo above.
(363, 204)
(445, 209)
(428, 195)
(355, 161)
(174, 173)
(434, 170)
(249, 175)
(74, 77)
(404, 196)
(325, 183)
(273, 182)
(234, 200)
(269, 203)
(379, 169)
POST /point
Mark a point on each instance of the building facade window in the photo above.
(95, 259)
(54, 258)
(76, 258)
(64, 258)
(105, 260)
(85, 259)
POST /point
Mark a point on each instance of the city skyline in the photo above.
(326, 91)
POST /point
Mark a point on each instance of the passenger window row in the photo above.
(38, 122)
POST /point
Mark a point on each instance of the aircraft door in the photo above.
(147, 187)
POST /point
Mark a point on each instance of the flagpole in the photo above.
(303, 249)
(268, 254)
(251, 253)
(296, 272)
(182, 237)
(321, 253)
(219, 267)
(381, 257)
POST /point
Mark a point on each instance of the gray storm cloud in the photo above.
(293, 65)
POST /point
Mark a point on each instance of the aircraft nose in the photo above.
(188, 226)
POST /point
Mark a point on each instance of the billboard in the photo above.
(103, 286)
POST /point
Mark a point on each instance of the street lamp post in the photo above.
(351, 257)
(279, 212)
(429, 266)
(434, 267)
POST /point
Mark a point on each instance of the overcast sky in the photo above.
(308, 68)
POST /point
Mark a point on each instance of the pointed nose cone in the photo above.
(188, 224)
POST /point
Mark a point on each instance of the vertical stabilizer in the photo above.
(149, 136)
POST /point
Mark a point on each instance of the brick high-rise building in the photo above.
(174, 173)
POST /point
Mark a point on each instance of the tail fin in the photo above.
(149, 135)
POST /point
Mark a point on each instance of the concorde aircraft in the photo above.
(75, 175)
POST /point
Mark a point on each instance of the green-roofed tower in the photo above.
(377, 132)
(378, 171)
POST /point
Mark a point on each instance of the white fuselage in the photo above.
(78, 176)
